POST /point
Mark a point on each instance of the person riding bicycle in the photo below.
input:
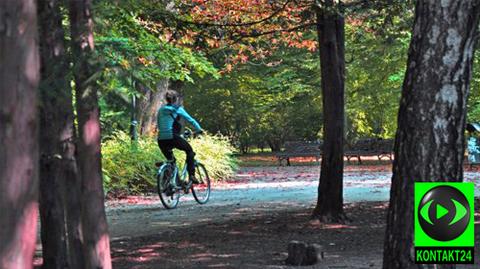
(169, 129)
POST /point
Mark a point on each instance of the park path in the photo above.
(249, 222)
(252, 189)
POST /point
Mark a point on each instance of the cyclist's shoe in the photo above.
(169, 192)
(195, 180)
(186, 187)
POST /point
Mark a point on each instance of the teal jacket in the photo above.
(165, 117)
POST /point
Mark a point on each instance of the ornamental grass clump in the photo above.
(129, 167)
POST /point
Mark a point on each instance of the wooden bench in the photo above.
(382, 148)
(369, 147)
(299, 149)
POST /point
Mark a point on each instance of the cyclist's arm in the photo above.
(183, 113)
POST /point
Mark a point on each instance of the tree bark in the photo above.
(149, 105)
(275, 145)
(177, 85)
(59, 204)
(331, 36)
(19, 76)
(94, 223)
(430, 143)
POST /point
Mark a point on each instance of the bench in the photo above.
(299, 149)
(369, 147)
(382, 148)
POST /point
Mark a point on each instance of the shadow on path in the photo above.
(258, 239)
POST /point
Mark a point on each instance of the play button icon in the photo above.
(444, 213)
(441, 211)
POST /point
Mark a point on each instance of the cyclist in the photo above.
(169, 129)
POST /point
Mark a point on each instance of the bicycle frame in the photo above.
(187, 134)
(183, 174)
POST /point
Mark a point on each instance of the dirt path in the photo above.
(249, 222)
(256, 238)
(252, 188)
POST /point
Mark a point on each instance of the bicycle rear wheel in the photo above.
(168, 195)
(201, 191)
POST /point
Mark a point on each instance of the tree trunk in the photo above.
(275, 145)
(177, 85)
(149, 105)
(430, 141)
(19, 75)
(331, 36)
(95, 228)
(59, 205)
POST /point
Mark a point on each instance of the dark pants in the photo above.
(167, 146)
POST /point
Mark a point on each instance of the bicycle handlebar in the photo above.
(188, 133)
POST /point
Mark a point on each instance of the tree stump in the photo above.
(300, 253)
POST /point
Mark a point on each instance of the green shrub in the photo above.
(129, 168)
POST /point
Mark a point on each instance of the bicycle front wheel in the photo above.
(201, 191)
(168, 195)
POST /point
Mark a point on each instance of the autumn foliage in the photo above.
(242, 31)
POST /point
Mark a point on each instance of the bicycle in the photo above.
(171, 182)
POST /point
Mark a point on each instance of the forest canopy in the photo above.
(258, 100)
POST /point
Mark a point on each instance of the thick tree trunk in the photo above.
(275, 145)
(149, 105)
(331, 37)
(95, 228)
(430, 142)
(177, 85)
(59, 205)
(19, 75)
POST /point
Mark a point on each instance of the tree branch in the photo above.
(257, 34)
(210, 24)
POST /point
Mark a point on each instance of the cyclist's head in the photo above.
(171, 97)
